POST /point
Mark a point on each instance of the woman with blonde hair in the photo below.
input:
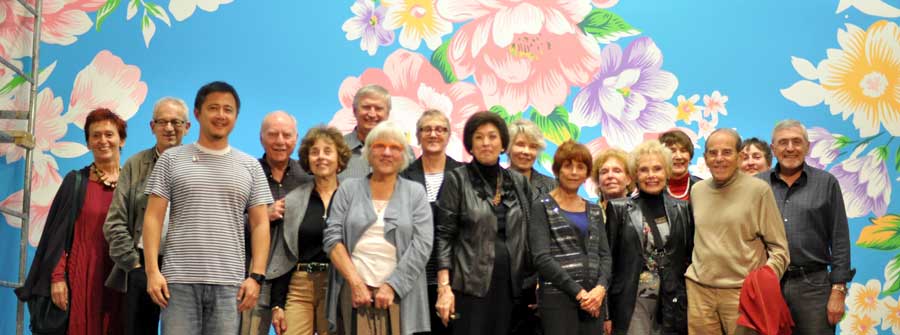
(651, 238)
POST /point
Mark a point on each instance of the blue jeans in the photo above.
(201, 309)
(806, 294)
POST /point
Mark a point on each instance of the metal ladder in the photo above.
(25, 140)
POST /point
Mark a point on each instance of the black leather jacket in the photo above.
(467, 229)
(623, 217)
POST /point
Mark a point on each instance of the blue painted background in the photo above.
(293, 56)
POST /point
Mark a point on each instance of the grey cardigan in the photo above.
(407, 225)
(125, 220)
(284, 253)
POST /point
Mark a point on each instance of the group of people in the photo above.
(356, 236)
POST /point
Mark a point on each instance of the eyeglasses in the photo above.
(785, 142)
(436, 130)
(381, 146)
(175, 123)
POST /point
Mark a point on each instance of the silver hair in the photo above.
(728, 131)
(173, 100)
(529, 130)
(263, 126)
(388, 130)
(432, 114)
(372, 90)
(790, 123)
(649, 148)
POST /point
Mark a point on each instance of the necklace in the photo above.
(103, 178)
(497, 194)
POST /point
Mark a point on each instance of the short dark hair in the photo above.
(676, 136)
(479, 119)
(213, 87)
(761, 145)
(572, 151)
(103, 114)
(328, 134)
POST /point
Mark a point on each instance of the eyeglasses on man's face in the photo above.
(175, 123)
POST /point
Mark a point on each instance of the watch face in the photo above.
(257, 277)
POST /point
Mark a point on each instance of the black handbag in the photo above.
(46, 318)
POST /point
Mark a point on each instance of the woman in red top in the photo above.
(77, 280)
(680, 182)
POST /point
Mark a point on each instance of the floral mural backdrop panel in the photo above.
(607, 73)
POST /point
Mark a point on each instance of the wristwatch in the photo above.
(259, 278)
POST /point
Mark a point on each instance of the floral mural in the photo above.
(607, 73)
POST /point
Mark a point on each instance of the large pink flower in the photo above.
(415, 86)
(522, 52)
(43, 191)
(109, 83)
(63, 22)
(15, 36)
(49, 129)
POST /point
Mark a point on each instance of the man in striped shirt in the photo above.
(208, 186)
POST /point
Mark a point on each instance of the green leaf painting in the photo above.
(606, 26)
(102, 13)
(556, 126)
(882, 234)
(891, 276)
(440, 61)
(500, 110)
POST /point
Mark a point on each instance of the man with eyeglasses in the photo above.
(738, 229)
(812, 205)
(124, 222)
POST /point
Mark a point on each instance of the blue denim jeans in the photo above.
(807, 297)
(201, 309)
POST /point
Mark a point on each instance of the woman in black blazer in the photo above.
(433, 134)
(647, 293)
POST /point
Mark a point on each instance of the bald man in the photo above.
(278, 136)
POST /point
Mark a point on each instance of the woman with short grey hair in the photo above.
(378, 236)
(526, 142)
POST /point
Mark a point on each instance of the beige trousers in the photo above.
(712, 310)
(304, 310)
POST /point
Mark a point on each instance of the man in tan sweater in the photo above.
(737, 225)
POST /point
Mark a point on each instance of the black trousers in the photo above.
(493, 313)
(560, 314)
(806, 294)
(141, 313)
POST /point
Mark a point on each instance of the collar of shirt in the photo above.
(775, 176)
(268, 169)
(352, 140)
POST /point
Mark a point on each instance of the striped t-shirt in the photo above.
(208, 192)
(433, 183)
